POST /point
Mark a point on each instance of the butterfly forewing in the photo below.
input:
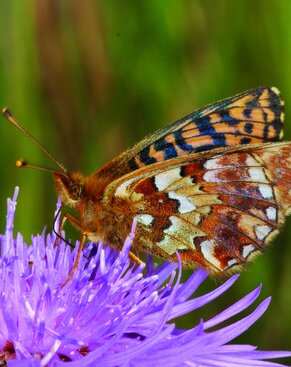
(216, 208)
(255, 116)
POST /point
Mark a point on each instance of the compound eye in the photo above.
(75, 191)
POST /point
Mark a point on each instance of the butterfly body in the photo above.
(214, 186)
(86, 196)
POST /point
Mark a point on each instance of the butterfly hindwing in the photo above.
(216, 208)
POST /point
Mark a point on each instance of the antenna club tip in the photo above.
(6, 112)
(20, 163)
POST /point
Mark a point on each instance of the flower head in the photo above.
(112, 312)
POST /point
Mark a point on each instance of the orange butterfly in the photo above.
(214, 186)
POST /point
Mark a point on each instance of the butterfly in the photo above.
(214, 186)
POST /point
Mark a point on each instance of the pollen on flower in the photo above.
(112, 312)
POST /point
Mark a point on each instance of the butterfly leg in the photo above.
(135, 258)
(75, 222)
(76, 262)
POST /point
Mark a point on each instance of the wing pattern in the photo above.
(255, 116)
(216, 208)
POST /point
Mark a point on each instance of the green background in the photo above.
(90, 78)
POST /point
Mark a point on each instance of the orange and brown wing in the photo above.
(216, 208)
(255, 116)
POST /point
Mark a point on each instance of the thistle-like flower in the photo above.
(112, 312)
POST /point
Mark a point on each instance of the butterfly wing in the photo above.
(255, 116)
(216, 208)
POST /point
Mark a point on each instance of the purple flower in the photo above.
(112, 312)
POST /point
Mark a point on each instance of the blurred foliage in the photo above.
(89, 78)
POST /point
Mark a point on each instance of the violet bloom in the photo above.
(112, 312)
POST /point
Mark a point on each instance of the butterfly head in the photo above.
(70, 187)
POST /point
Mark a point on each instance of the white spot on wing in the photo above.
(167, 243)
(262, 231)
(275, 90)
(251, 161)
(175, 226)
(282, 117)
(210, 176)
(207, 249)
(121, 190)
(231, 263)
(178, 236)
(164, 179)
(212, 163)
(247, 249)
(145, 219)
(266, 191)
(170, 246)
(257, 174)
(185, 204)
(271, 213)
(218, 162)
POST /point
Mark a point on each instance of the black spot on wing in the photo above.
(219, 140)
(230, 120)
(168, 148)
(266, 132)
(245, 140)
(249, 126)
(247, 112)
(205, 126)
(277, 125)
(253, 103)
(181, 143)
(170, 152)
(132, 164)
(145, 157)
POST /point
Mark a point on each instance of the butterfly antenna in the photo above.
(20, 163)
